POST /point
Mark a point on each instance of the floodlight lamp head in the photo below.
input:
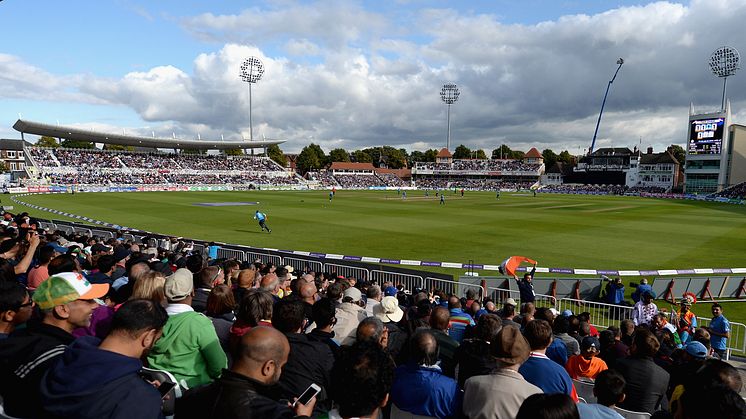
(620, 61)
(252, 70)
(725, 61)
(449, 93)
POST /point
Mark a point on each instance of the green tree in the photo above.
(431, 155)
(276, 154)
(481, 154)
(679, 153)
(192, 151)
(46, 141)
(117, 147)
(233, 152)
(566, 157)
(517, 155)
(416, 156)
(361, 156)
(323, 160)
(502, 152)
(76, 144)
(339, 154)
(3, 167)
(395, 159)
(550, 157)
(462, 152)
(307, 160)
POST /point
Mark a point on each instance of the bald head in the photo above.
(454, 302)
(439, 318)
(307, 290)
(309, 278)
(138, 270)
(261, 354)
(270, 282)
(424, 348)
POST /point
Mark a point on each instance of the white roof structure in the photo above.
(78, 134)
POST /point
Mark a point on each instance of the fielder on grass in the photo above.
(262, 217)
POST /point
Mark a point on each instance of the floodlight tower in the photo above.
(251, 72)
(724, 62)
(449, 94)
(608, 86)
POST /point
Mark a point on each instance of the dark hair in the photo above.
(716, 305)
(62, 263)
(424, 348)
(361, 378)
(288, 315)
(538, 334)
(139, 315)
(561, 325)
(323, 312)
(334, 291)
(722, 403)
(645, 343)
(105, 263)
(194, 263)
(12, 295)
(488, 326)
(220, 301)
(548, 406)
(46, 254)
(255, 307)
(543, 313)
(717, 373)
(609, 387)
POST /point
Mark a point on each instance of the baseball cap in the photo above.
(390, 292)
(67, 287)
(179, 285)
(511, 302)
(352, 293)
(510, 347)
(57, 248)
(589, 342)
(388, 310)
(696, 349)
(98, 247)
(120, 253)
(567, 313)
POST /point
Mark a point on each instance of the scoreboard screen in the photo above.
(706, 136)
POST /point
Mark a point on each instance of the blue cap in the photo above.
(567, 313)
(57, 248)
(696, 349)
(390, 292)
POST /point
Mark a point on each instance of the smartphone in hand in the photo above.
(312, 391)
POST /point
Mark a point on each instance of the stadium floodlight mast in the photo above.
(724, 62)
(252, 70)
(608, 86)
(449, 94)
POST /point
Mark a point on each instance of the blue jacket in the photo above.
(557, 352)
(547, 375)
(616, 294)
(641, 289)
(426, 391)
(88, 382)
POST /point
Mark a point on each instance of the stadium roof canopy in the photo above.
(78, 134)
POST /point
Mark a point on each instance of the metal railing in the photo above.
(224, 253)
(453, 287)
(303, 265)
(603, 315)
(264, 257)
(410, 282)
(737, 340)
(361, 274)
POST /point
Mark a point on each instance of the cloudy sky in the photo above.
(355, 74)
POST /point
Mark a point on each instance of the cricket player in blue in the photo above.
(442, 199)
(262, 217)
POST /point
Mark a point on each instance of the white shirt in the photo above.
(177, 308)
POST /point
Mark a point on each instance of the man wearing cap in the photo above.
(349, 315)
(687, 319)
(500, 394)
(66, 301)
(419, 386)
(586, 364)
(692, 359)
(390, 314)
(189, 348)
(508, 313)
(121, 256)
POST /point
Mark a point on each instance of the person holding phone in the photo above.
(240, 393)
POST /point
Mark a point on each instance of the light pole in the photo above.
(449, 95)
(251, 71)
(723, 63)
(608, 86)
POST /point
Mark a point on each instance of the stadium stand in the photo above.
(477, 174)
(734, 192)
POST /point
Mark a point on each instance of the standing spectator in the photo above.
(541, 371)
(641, 289)
(586, 364)
(627, 329)
(448, 346)
(459, 320)
(419, 386)
(66, 303)
(16, 307)
(361, 381)
(219, 310)
(242, 392)
(609, 391)
(189, 348)
(473, 356)
(526, 286)
(310, 362)
(349, 315)
(644, 310)
(719, 331)
(96, 379)
(646, 382)
(501, 393)
(687, 320)
(372, 330)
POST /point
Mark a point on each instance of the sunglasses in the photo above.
(29, 304)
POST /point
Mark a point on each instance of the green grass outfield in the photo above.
(573, 231)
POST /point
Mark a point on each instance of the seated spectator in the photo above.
(586, 364)
(459, 320)
(349, 315)
(209, 277)
(361, 381)
(473, 356)
(104, 268)
(219, 310)
(541, 371)
(310, 362)
(646, 382)
(66, 302)
(439, 325)
(714, 393)
(548, 406)
(149, 285)
(76, 387)
(374, 295)
(586, 317)
(16, 307)
(323, 316)
(244, 282)
(241, 392)
(557, 350)
(391, 315)
(560, 327)
(627, 330)
(501, 393)
(612, 348)
(420, 387)
(609, 391)
(372, 330)
(692, 359)
(508, 313)
(189, 348)
(254, 310)
(40, 272)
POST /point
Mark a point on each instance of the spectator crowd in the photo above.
(97, 328)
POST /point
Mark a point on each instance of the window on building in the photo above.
(11, 154)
